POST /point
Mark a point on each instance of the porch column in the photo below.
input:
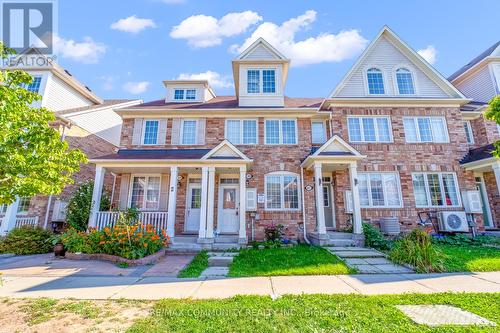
(356, 223)
(172, 201)
(210, 205)
(320, 210)
(242, 212)
(96, 195)
(204, 199)
(496, 171)
(9, 220)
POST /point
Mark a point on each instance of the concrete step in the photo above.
(339, 235)
(348, 248)
(226, 239)
(359, 254)
(184, 248)
(185, 239)
(341, 242)
(214, 272)
(219, 261)
(226, 246)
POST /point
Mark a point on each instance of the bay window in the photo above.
(435, 189)
(280, 131)
(281, 191)
(145, 192)
(241, 131)
(379, 190)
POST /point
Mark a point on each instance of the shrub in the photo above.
(274, 232)
(27, 240)
(78, 210)
(465, 240)
(417, 249)
(374, 238)
(128, 241)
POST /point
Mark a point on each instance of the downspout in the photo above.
(303, 205)
(49, 202)
(331, 125)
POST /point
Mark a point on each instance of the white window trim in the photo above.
(365, 80)
(281, 132)
(261, 81)
(131, 188)
(181, 132)
(144, 132)
(324, 131)
(419, 140)
(282, 203)
(468, 129)
(241, 131)
(413, 76)
(441, 186)
(370, 200)
(391, 139)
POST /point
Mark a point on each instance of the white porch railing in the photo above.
(108, 219)
(22, 221)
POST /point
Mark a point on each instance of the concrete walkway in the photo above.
(153, 288)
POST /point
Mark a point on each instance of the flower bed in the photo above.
(151, 259)
(123, 240)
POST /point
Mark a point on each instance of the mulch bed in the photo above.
(151, 259)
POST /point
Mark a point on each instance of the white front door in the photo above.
(228, 221)
(193, 204)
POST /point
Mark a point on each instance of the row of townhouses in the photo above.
(395, 138)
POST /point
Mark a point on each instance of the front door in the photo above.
(193, 204)
(484, 202)
(327, 204)
(228, 221)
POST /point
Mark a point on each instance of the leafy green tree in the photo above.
(78, 211)
(33, 159)
(493, 113)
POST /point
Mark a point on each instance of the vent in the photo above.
(67, 72)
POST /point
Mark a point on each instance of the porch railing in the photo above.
(22, 221)
(108, 219)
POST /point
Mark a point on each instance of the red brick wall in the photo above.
(493, 196)
(484, 131)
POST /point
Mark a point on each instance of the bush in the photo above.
(27, 240)
(465, 240)
(128, 241)
(78, 210)
(274, 232)
(374, 238)
(417, 250)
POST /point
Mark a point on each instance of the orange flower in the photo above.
(145, 244)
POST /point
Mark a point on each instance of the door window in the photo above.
(229, 198)
(195, 198)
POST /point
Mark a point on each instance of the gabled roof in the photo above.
(335, 149)
(225, 150)
(488, 52)
(410, 54)
(107, 103)
(261, 43)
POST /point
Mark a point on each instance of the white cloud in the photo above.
(133, 24)
(136, 88)
(325, 47)
(87, 52)
(206, 31)
(429, 54)
(215, 79)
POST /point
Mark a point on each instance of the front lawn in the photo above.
(468, 258)
(195, 267)
(311, 313)
(297, 260)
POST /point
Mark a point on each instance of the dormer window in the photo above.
(34, 86)
(375, 81)
(261, 81)
(404, 79)
(185, 94)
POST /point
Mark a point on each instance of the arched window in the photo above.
(375, 81)
(404, 79)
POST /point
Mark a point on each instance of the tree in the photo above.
(493, 113)
(79, 205)
(33, 159)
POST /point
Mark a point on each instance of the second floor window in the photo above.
(150, 132)
(468, 132)
(261, 81)
(425, 129)
(188, 135)
(375, 81)
(281, 131)
(241, 131)
(318, 132)
(369, 129)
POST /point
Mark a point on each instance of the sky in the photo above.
(126, 48)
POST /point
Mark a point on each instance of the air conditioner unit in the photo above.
(453, 222)
(348, 205)
(59, 212)
(472, 202)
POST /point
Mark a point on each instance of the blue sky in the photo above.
(168, 39)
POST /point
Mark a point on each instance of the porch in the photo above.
(16, 215)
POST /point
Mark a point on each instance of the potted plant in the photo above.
(59, 250)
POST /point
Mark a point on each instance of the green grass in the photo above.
(297, 260)
(44, 309)
(311, 313)
(470, 258)
(195, 267)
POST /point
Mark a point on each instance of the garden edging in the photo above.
(151, 259)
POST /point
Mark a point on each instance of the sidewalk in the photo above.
(153, 288)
